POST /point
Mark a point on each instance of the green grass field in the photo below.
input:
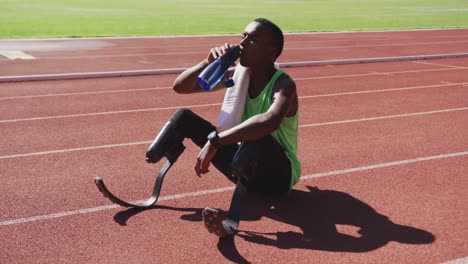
(78, 18)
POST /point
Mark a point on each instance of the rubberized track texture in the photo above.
(383, 147)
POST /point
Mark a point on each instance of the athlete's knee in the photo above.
(182, 115)
(244, 164)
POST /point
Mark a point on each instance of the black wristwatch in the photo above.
(214, 139)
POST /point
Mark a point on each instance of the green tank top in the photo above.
(286, 134)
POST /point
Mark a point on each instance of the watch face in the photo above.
(213, 138)
(212, 135)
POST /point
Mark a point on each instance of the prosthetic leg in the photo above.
(167, 144)
(244, 169)
(213, 220)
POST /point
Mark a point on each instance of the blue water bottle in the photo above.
(213, 74)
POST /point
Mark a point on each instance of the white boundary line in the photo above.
(384, 117)
(98, 56)
(300, 126)
(88, 75)
(109, 74)
(59, 151)
(447, 68)
(225, 189)
(209, 105)
(382, 90)
(105, 113)
(369, 45)
(85, 93)
(457, 261)
(300, 97)
(438, 64)
(290, 43)
(379, 73)
(372, 60)
(16, 55)
(224, 35)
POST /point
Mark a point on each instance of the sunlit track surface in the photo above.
(113, 54)
(377, 141)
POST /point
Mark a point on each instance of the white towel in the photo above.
(234, 100)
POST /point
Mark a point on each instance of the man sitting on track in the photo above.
(261, 151)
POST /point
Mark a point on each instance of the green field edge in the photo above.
(45, 37)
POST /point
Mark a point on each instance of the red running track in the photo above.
(383, 148)
(111, 54)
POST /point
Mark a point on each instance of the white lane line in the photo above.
(383, 165)
(384, 117)
(290, 43)
(301, 126)
(106, 113)
(285, 49)
(383, 90)
(225, 189)
(379, 45)
(378, 73)
(85, 75)
(439, 64)
(59, 151)
(108, 207)
(209, 45)
(458, 261)
(85, 93)
(16, 55)
(296, 79)
(218, 104)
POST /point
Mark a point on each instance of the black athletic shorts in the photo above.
(264, 166)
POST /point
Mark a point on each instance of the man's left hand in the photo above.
(204, 158)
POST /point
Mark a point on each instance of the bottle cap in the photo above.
(229, 82)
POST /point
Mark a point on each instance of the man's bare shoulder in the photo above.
(285, 84)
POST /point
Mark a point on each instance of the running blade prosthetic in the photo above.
(171, 159)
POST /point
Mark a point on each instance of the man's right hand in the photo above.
(217, 52)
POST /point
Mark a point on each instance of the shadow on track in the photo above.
(225, 245)
(122, 217)
(317, 213)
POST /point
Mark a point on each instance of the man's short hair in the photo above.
(276, 33)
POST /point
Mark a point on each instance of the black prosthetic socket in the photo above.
(167, 144)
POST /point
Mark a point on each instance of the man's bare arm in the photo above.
(187, 83)
(284, 104)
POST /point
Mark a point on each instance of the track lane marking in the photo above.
(225, 189)
(300, 126)
(286, 49)
(106, 113)
(380, 45)
(380, 73)
(439, 64)
(458, 261)
(384, 117)
(60, 151)
(16, 55)
(384, 90)
(460, 37)
(108, 74)
(169, 87)
(86, 93)
(218, 104)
